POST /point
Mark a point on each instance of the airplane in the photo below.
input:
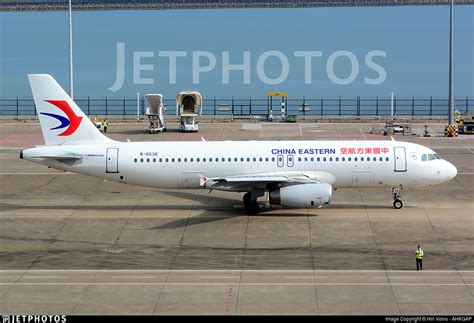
(293, 174)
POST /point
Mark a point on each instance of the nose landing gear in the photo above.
(397, 202)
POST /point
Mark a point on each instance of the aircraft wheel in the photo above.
(251, 208)
(398, 204)
(247, 197)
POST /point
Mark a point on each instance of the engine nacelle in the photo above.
(302, 195)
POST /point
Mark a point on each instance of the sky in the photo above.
(406, 47)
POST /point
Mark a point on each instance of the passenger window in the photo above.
(148, 160)
(210, 160)
(273, 159)
(312, 159)
(374, 159)
(248, 159)
(324, 158)
(266, 159)
(386, 158)
(166, 159)
(361, 158)
(154, 160)
(348, 158)
(381, 159)
(135, 160)
(355, 158)
(319, 159)
(242, 159)
(260, 159)
(299, 159)
(337, 158)
(185, 160)
(330, 159)
(179, 160)
(223, 159)
(306, 159)
(172, 160)
(160, 160)
(198, 159)
(343, 158)
(235, 159)
(191, 159)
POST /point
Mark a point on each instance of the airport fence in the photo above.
(263, 107)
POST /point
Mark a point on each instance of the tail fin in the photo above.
(61, 120)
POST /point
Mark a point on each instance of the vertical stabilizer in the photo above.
(61, 120)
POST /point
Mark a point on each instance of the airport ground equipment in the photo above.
(188, 108)
(292, 118)
(392, 128)
(155, 111)
(270, 96)
(466, 126)
(426, 132)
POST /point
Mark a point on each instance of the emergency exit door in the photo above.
(290, 160)
(280, 161)
(400, 159)
(112, 160)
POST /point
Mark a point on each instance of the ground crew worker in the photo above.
(97, 123)
(419, 258)
(105, 125)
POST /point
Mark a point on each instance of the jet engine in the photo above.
(302, 195)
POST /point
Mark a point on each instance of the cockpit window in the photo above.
(426, 157)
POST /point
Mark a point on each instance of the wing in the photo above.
(264, 181)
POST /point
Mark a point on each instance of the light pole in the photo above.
(138, 106)
(71, 82)
(451, 64)
(391, 105)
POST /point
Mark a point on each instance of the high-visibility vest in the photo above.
(419, 254)
(105, 124)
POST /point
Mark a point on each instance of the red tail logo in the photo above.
(72, 122)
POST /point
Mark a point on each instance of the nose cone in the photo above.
(451, 171)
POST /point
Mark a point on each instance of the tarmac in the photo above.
(71, 244)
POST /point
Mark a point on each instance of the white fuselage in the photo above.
(182, 164)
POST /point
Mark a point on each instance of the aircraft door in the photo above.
(400, 159)
(111, 165)
(280, 160)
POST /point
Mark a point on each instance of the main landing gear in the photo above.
(397, 202)
(250, 202)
